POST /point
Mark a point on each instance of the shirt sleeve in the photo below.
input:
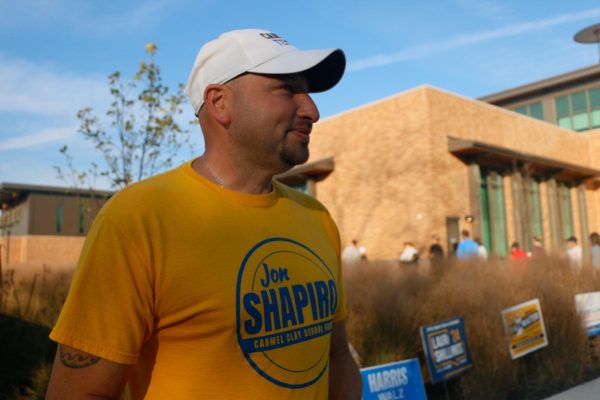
(109, 308)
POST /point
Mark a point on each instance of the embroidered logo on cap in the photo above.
(275, 38)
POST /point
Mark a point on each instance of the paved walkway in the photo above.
(588, 391)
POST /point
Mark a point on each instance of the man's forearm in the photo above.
(344, 377)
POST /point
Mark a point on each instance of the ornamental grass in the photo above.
(388, 302)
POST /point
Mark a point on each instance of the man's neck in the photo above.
(238, 178)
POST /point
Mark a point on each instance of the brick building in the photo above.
(429, 162)
(45, 224)
(509, 166)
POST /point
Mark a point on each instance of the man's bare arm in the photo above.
(344, 377)
(80, 376)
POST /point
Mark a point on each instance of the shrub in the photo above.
(387, 304)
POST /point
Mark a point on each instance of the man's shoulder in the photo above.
(145, 193)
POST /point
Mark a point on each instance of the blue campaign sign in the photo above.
(394, 381)
(446, 349)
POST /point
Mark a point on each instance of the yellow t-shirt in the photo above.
(209, 293)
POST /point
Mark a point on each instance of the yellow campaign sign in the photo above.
(524, 326)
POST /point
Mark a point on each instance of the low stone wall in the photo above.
(56, 251)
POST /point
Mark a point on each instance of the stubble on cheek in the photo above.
(293, 152)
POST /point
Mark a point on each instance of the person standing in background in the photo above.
(517, 253)
(537, 248)
(574, 253)
(467, 248)
(410, 254)
(436, 252)
(351, 253)
(481, 250)
(595, 250)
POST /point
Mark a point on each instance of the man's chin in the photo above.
(291, 159)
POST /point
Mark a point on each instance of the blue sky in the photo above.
(55, 56)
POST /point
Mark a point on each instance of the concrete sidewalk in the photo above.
(587, 391)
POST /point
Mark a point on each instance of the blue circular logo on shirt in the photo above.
(286, 299)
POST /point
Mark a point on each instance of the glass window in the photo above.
(59, 218)
(594, 98)
(522, 110)
(562, 106)
(533, 110)
(485, 213)
(578, 102)
(581, 121)
(565, 122)
(81, 219)
(536, 212)
(596, 118)
(497, 215)
(566, 213)
(536, 111)
(301, 187)
(532, 221)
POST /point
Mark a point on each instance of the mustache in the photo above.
(302, 126)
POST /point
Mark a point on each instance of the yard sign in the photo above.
(588, 308)
(394, 381)
(524, 326)
(446, 349)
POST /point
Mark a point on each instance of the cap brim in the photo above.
(323, 68)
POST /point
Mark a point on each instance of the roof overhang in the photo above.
(549, 85)
(315, 171)
(471, 151)
(12, 194)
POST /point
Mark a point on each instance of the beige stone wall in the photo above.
(593, 193)
(38, 249)
(511, 234)
(593, 207)
(594, 149)
(377, 193)
(395, 180)
(465, 118)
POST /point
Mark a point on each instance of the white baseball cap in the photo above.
(263, 52)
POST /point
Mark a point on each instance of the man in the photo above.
(351, 253)
(595, 251)
(517, 253)
(482, 252)
(537, 250)
(436, 251)
(212, 281)
(574, 253)
(467, 248)
(410, 254)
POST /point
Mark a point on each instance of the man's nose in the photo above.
(307, 108)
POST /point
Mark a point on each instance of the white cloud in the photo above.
(429, 49)
(38, 138)
(34, 88)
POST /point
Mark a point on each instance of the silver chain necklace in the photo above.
(213, 173)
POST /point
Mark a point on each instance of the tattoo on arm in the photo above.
(77, 360)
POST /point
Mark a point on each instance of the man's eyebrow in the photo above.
(297, 81)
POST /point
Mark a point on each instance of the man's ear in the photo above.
(216, 101)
